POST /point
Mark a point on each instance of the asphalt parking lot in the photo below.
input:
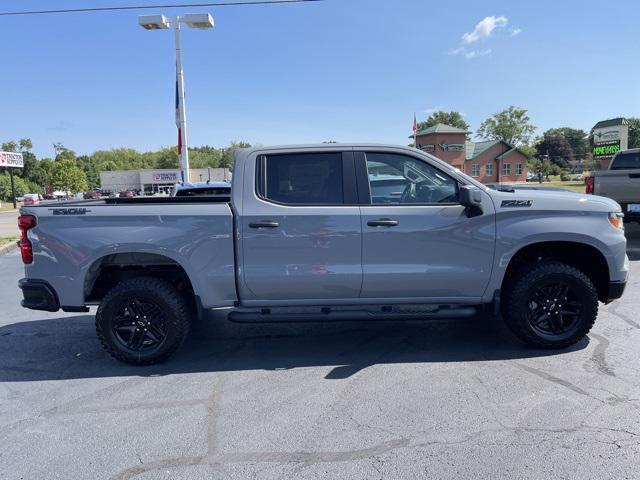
(441, 399)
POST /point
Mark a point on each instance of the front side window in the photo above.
(489, 170)
(475, 170)
(301, 179)
(518, 169)
(398, 179)
(506, 169)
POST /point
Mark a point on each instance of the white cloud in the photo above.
(469, 54)
(484, 28)
(476, 53)
(435, 109)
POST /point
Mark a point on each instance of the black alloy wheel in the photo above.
(550, 304)
(140, 325)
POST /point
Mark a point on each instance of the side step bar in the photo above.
(327, 314)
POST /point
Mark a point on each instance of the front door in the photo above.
(301, 232)
(418, 241)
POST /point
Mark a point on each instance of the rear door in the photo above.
(418, 241)
(300, 228)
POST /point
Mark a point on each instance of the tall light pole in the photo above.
(160, 22)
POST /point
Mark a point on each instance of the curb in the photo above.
(9, 247)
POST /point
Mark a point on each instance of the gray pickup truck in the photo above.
(620, 182)
(327, 232)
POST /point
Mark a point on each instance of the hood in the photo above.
(541, 199)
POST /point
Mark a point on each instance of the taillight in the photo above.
(25, 223)
(590, 183)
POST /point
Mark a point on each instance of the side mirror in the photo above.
(471, 197)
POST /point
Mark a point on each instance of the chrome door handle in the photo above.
(383, 222)
(264, 224)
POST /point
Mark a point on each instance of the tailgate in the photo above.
(623, 186)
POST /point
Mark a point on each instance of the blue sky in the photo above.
(344, 70)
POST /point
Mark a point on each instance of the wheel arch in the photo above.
(109, 269)
(582, 255)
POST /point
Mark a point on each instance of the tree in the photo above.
(512, 126)
(452, 118)
(541, 168)
(577, 139)
(68, 177)
(227, 155)
(5, 187)
(556, 148)
(634, 132)
(10, 146)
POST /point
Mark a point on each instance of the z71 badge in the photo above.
(69, 211)
(516, 203)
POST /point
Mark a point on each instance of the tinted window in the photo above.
(625, 161)
(203, 192)
(397, 179)
(303, 179)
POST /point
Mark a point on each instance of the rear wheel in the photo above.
(142, 321)
(551, 305)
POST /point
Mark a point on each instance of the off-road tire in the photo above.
(517, 297)
(157, 291)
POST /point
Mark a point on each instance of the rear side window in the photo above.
(626, 161)
(301, 179)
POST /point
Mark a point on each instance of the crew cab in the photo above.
(327, 232)
(620, 182)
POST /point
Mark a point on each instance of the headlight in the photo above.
(616, 220)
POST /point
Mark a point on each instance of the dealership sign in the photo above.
(610, 139)
(11, 159)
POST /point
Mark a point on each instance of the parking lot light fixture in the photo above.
(200, 21)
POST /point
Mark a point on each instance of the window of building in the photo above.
(506, 169)
(399, 179)
(302, 179)
(518, 169)
(489, 170)
(475, 170)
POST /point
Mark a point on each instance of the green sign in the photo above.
(607, 149)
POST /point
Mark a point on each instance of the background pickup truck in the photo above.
(621, 182)
(327, 232)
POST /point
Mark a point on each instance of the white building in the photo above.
(148, 182)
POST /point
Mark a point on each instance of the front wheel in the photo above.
(552, 305)
(142, 321)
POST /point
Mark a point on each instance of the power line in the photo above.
(146, 7)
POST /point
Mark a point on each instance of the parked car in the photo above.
(32, 199)
(127, 194)
(620, 182)
(200, 189)
(315, 233)
(93, 194)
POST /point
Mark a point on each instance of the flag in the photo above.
(415, 130)
(178, 117)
